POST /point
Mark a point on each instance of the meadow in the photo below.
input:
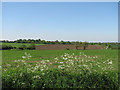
(18, 44)
(60, 69)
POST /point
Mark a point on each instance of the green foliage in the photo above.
(58, 79)
(6, 47)
(22, 47)
(15, 73)
(77, 45)
(62, 42)
(85, 45)
(67, 49)
(31, 47)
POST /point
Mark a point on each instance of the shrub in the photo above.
(22, 47)
(85, 45)
(6, 47)
(67, 49)
(31, 47)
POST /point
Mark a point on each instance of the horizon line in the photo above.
(61, 40)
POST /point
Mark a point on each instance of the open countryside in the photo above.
(52, 45)
(75, 68)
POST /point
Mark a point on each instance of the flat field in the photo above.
(60, 68)
(18, 44)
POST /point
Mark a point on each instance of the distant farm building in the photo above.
(64, 47)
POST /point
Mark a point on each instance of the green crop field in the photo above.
(60, 69)
(18, 44)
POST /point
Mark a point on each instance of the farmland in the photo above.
(18, 44)
(60, 68)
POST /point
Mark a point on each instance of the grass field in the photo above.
(60, 68)
(18, 44)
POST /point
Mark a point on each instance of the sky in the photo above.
(68, 21)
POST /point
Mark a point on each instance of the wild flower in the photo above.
(56, 58)
(23, 83)
(8, 65)
(60, 67)
(43, 73)
(21, 74)
(13, 81)
(42, 69)
(15, 61)
(73, 54)
(23, 57)
(27, 56)
(60, 62)
(66, 62)
(0, 67)
(47, 60)
(110, 62)
(36, 77)
(8, 75)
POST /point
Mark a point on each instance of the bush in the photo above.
(6, 47)
(22, 47)
(67, 49)
(31, 47)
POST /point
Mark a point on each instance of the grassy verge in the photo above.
(60, 69)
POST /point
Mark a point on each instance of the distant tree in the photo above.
(105, 44)
(109, 46)
(31, 46)
(56, 42)
(68, 42)
(52, 42)
(85, 45)
(77, 44)
(62, 42)
(24, 41)
(43, 41)
(48, 42)
(99, 43)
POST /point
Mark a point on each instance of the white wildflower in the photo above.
(47, 60)
(23, 83)
(23, 57)
(21, 74)
(17, 65)
(42, 69)
(110, 62)
(13, 81)
(60, 62)
(37, 76)
(56, 58)
(43, 73)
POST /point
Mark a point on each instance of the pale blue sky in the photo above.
(86, 21)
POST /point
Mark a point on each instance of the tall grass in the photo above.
(68, 70)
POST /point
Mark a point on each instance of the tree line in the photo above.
(32, 43)
(39, 41)
(22, 47)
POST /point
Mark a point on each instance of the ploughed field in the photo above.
(60, 69)
(65, 47)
